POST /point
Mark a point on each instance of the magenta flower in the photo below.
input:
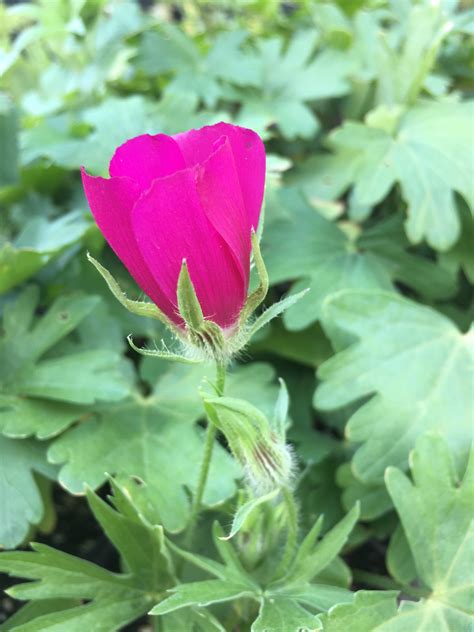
(194, 196)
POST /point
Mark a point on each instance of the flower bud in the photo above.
(266, 459)
(181, 213)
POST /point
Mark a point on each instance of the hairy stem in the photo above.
(206, 460)
(292, 533)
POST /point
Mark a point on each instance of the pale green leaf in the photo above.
(163, 447)
(315, 559)
(289, 78)
(21, 504)
(201, 594)
(416, 361)
(300, 244)
(364, 614)
(436, 513)
(428, 155)
(109, 600)
(284, 615)
(245, 510)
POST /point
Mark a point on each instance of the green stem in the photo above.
(206, 461)
(292, 537)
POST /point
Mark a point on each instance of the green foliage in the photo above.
(441, 541)
(421, 368)
(366, 111)
(424, 150)
(282, 602)
(111, 599)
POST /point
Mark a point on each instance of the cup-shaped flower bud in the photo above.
(195, 196)
(266, 459)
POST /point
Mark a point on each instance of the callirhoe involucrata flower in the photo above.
(180, 212)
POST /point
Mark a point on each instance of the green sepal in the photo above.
(140, 308)
(269, 314)
(258, 295)
(163, 353)
(204, 334)
(188, 304)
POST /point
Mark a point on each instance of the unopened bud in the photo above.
(266, 459)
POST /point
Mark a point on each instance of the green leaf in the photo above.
(287, 80)
(112, 600)
(244, 511)
(288, 597)
(403, 63)
(312, 558)
(232, 580)
(284, 615)
(461, 254)
(163, 446)
(436, 513)
(202, 594)
(113, 121)
(22, 417)
(309, 347)
(21, 504)
(418, 364)
(202, 73)
(140, 544)
(37, 395)
(17, 265)
(427, 155)
(34, 610)
(374, 499)
(39, 242)
(301, 244)
(291, 607)
(65, 378)
(400, 563)
(8, 142)
(144, 439)
(367, 611)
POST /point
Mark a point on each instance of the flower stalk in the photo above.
(206, 459)
(292, 533)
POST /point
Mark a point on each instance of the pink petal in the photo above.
(111, 202)
(170, 225)
(249, 155)
(145, 158)
(218, 187)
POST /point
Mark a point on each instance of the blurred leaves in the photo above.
(424, 151)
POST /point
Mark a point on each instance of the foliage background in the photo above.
(366, 113)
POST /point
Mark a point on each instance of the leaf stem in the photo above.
(292, 536)
(206, 460)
